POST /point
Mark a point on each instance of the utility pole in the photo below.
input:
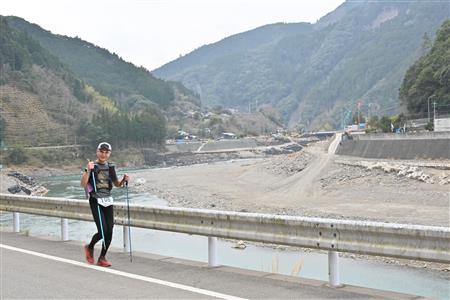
(358, 116)
(434, 110)
(358, 112)
(429, 117)
(428, 109)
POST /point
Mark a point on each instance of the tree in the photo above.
(17, 156)
(385, 124)
(426, 44)
(372, 124)
(429, 76)
(399, 120)
(358, 117)
(429, 126)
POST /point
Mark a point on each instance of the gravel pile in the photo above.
(188, 198)
(346, 174)
(414, 172)
(287, 164)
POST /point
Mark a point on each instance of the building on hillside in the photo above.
(228, 136)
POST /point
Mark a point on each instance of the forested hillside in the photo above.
(429, 78)
(314, 73)
(28, 75)
(106, 72)
(43, 102)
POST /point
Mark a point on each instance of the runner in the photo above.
(97, 180)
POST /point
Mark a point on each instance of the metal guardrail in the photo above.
(428, 243)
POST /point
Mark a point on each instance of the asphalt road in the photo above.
(47, 269)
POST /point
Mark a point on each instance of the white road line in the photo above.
(124, 274)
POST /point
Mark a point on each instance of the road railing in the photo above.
(417, 242)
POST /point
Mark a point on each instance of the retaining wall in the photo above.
(184, 147)
(230, 144)
(403, 136)
(436, 148)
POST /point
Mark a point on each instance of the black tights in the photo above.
(107, 216)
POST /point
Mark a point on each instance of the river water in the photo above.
(370, 274)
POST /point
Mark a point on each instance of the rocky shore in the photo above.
(15, 182)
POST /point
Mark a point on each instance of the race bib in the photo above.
(105, 202)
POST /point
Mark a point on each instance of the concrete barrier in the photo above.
(436, 148)
(229, 144)
(212, 145)
(423, 145)
(184, 147)
(404, 136)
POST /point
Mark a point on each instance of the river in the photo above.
(372, 274)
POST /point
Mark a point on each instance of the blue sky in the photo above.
(151, 33)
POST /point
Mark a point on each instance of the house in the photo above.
(228, 136)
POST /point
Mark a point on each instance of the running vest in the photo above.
(105, 175)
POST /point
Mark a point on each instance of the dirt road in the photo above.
(309, 183)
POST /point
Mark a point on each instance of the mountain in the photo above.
(45, 103)
(29, 74)
(78, 93)
(106, 72)
(315, 73)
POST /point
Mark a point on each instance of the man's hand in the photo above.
(90, 165)
(126, 178)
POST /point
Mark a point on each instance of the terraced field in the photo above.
(26, 121)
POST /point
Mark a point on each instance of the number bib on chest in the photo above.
(105, 201)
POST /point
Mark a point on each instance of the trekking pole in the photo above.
(129, 227)
(98, 208)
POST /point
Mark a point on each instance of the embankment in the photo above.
(397, 146)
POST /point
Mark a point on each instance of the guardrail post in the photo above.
(212, 251)
(333, 269)
(16, 222)
(64, 229)
(126, 244)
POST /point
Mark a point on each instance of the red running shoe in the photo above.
(102, 262)
(89, 254)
